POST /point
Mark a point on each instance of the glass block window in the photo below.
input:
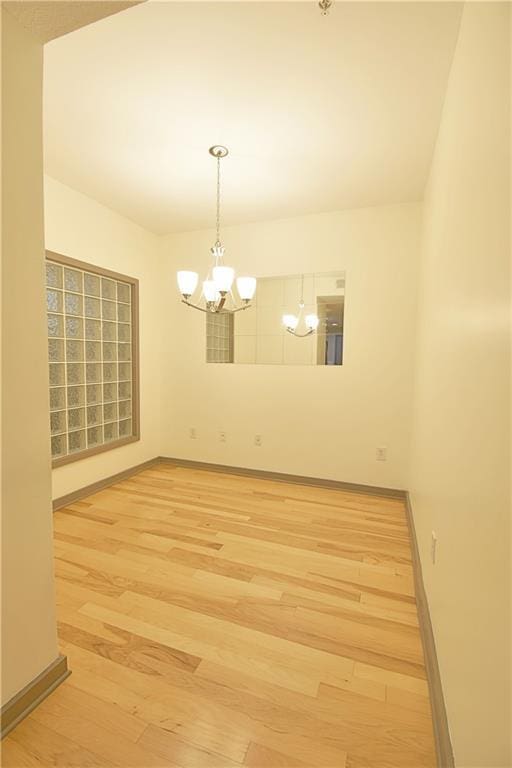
(92, 354)
(219, 337)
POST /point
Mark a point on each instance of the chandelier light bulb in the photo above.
(187, 282)
(223, 278)
(290, 321)
(210, 291)
(246, 287)
(312, 322)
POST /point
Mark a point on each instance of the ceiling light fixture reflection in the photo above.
(219, 281)
(293, 322)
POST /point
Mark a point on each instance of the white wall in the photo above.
(320, 421)
(460, 467)
(79, 227)
(29, 640)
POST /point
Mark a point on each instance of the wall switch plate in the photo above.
(192, 433)
(257, 440)
(433, 547)
(222, 437)
(381, 453)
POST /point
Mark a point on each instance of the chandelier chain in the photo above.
(218, 200)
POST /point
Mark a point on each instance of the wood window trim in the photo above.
(67, 261)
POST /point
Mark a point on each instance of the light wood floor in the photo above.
(214, 621)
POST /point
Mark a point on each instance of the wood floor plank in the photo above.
(215, 621)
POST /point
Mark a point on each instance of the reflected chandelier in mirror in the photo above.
(261, 337)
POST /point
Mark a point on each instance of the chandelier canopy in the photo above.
(219, 281)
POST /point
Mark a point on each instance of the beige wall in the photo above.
(460, 464)
(320, 421)
(79, 227)
(28, 604)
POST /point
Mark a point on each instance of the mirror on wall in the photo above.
(259, 336)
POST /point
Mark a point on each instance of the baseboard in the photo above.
(88, 490)
(444, 751)
(282, 477)
(33, 694)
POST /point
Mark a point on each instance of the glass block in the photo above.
(73, 304)
(56, 374)
(55, 325)
(125, 428)
(109, 372)
(125, 409)
(92, 307)
(94, 415)
(93, 393)
(108, 310)
(110, 412)
(55, 350)
(109, 392)
(57, 398)
(74, 351)
(93, 372)
(91, 284)
(58, 446)
(125, 371)
(92, 351)
(54, 300)
(76, 396)
(76, 441)
(76, 418)
(108, 288)
(75, 373)
(124, 351)
(124, 314)
(57, 421)
(92, 329)
(123, 292)
(109, 331)
(72, 280)
(124, 332)
(110, 431)
(94, 436)
(53, 275)
(124, 390)
(109, 351)
(74, 328)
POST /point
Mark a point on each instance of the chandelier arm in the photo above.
(194, 306)
(218, 310)
(241, 309)
(300, 335)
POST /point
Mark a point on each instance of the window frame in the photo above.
(67, 261)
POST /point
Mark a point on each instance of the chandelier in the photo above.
(219, 280)
(294, 322)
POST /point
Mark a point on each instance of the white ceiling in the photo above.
(319, 113)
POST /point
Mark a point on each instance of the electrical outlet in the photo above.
(257, 440)
(381, 453)
(192, 433)
(222, 437)
(433, 547)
